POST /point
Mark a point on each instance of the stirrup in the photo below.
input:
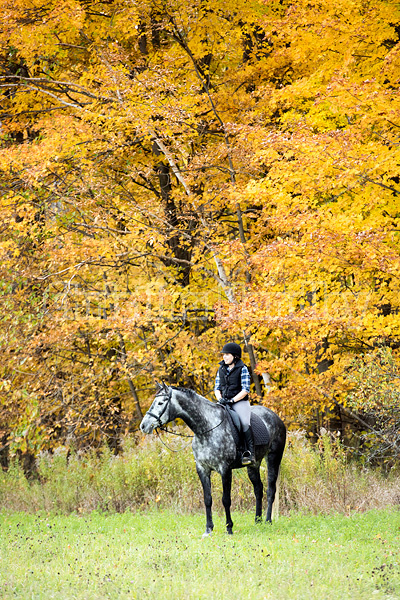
(247, 458)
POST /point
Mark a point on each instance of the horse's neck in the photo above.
(198, 413)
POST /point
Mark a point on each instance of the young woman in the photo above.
(232, 386)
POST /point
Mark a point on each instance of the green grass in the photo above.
(160, 554)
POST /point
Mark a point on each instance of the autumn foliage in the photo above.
(177, 174)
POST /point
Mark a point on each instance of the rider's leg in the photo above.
(244, 411)
(248, 457)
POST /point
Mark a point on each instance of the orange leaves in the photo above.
(138, 138)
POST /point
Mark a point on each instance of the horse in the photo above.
(214, 446)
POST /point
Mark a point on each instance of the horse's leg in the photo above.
(273, 462)
(205, 478)
(226, 498)
(254, 476)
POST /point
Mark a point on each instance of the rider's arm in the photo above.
(217, 391)
(239, 396)
(245, 383)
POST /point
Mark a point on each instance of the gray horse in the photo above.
(214, 446)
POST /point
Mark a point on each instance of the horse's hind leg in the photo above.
(273, 462)
(226, 498)
(254, 476)
(205, 478)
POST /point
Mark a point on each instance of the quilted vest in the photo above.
(231, 380)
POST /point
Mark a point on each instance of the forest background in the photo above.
(174, 175)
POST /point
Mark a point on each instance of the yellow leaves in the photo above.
(44, 27)
(279, 110)
(379, 325)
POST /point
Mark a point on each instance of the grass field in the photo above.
(161, 554)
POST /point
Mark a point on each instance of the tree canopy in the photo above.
(175, 175)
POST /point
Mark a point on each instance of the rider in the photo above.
(232, 386)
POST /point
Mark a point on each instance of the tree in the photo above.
(175, 175)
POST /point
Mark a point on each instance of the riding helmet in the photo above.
(232, 348)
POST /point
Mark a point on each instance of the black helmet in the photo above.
(233, 349)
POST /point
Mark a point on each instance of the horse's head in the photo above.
(159, 412)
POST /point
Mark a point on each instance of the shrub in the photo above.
(315, 479)
(374, 379)
(320, 479)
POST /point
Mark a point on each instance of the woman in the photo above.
(232, 386)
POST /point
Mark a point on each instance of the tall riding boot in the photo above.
(248, 456)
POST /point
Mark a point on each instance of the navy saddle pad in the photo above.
(260, 432)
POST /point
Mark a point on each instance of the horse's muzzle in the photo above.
(147, 425)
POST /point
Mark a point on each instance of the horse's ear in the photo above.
(164, 386)
(159, 386)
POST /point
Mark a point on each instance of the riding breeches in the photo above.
(242, 408)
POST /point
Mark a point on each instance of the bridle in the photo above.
(168, 395)
(160, 426)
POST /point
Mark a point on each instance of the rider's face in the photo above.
(228, 358)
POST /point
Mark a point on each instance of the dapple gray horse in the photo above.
(214, 447)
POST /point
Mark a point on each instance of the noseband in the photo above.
(168, 396)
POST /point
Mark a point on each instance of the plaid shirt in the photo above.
(244, 379)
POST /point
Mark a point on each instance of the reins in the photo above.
(157, 431)
(174, 432)
(220, 423)
(162, 428)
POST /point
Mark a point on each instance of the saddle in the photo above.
(260, 432)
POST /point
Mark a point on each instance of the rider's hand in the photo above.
(226, 402)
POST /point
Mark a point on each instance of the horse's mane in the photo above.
(191, 393)
(187, 391)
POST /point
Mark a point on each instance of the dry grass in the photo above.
(314, 479)
(320, 480)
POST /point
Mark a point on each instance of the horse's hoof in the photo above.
(206, 534)
(258, 520)
(229, 531)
